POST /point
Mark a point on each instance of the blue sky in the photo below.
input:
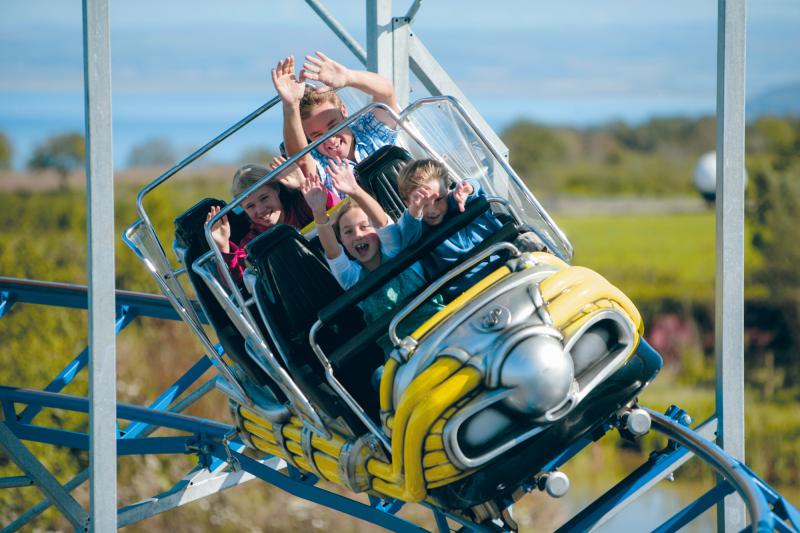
(186, 70)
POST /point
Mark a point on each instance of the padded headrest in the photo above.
(296, 281)
(377, 174)
(189, 225)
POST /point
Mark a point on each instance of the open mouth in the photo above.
(361, 248)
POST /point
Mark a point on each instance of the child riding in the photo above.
(362, 229)
(310, 112)
(432, 176)
(277, 202)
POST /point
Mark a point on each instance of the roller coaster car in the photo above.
(472, 405)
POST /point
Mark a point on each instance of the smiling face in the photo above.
(264, 206)
(433, 213)
(320, 120)
(359, 238)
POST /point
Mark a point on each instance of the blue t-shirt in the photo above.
(452, 251)
(369, 134)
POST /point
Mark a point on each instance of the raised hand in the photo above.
(315, 194)
(289, 88)
(220, 231)
(461, 193)
(418, 199)
(342, 176)
(327, 71)
(292, 178)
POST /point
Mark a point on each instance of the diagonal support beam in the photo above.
(44, 480)
(196, 485)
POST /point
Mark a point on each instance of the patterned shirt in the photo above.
(369, 134)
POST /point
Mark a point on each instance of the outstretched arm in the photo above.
(316, 196)
(334, 75)
(291, 90)
(345, 182)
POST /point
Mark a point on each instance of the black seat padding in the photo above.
(189, 234)
(377, 174)
(294, 283)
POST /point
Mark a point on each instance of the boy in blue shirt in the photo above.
(308, 113)
(432, 177)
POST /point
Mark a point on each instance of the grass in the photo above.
(651, 257)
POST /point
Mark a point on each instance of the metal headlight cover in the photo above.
(539, 372)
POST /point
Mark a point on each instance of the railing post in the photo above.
(729, 293)
(100, 215)
(379, 37)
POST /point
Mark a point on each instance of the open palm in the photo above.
(289, 88)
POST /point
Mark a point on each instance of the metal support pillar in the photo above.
(100, 209)
(729, 292)
(401, 34)
(379, 37)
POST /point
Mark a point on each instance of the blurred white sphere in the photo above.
(705, 175)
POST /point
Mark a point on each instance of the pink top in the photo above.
(298, 216)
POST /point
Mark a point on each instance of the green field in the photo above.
(652, 257)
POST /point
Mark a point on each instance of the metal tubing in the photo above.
(142, 430)
(349, 41)
(44, 480)
(657, 468)
(729, 291)
(15, 481)
(76, 297)
(439, 283)
(197, 484)
(412, 11)
(696, 508)
(100, 194)
(268, 363)
(343, 392)
(175, 391)
(725, 465)
(274, 174)
(196, 154)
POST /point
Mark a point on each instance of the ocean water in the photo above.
(187, 121)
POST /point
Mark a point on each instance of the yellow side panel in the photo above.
(549, 259)
(294, 447)
(268, 447)
(328, 467)
(332, 446)
(428, 411)
(438, 473)
(387, 384)
(435, 459)
(253, 417)
(440, 370)
(438, 426)
(389, 489)
(380, 469)
(433, 442)
(262, 433)
(446, 481)
(292, 433)
(459, 302)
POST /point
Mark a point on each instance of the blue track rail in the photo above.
(213, 443)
